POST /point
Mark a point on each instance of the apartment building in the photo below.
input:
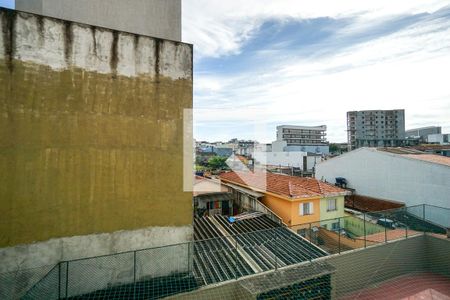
(375, 128)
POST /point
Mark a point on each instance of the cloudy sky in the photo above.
(262, 63)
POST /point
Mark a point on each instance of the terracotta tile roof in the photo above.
(434, 158)
(288, 186)
(366, 203)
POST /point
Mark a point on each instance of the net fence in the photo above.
(306, 257)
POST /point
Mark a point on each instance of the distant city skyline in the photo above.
(309, 63)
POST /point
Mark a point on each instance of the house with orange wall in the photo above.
(296, 200)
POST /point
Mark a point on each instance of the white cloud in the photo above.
(406, 69)
(219, 27)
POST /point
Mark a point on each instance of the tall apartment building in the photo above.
(375, 128)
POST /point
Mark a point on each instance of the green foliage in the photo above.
(334, 148)
(217, 163)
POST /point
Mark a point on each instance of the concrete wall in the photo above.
(438, 258)
(285, 159)
(91, 131)
(158, 18)
(24, 265)
(356, 270)
(389, 176)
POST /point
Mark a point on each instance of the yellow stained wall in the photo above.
(82, 152)
(280, 206)
(289, 210)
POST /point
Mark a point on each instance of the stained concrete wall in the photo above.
(158, 18)
(356, 270)
(438, 258)
(91, 130)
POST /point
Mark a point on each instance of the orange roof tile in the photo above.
(434, 158)
(284, 185)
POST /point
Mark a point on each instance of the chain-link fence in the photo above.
(169, 270)
(361, 230)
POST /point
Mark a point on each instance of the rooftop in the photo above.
(366, 203)
(260, 244)
(418, 154)
(206, 186)
(292, 187)
(433, 158)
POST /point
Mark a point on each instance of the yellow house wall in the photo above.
(289, 210)
(298, 219)
(279, 206)
(325, 214)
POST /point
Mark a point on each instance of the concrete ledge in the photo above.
(63, 44)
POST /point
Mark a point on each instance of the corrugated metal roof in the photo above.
(260, 243)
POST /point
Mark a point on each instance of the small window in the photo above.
(331, 205)
(335, 226)
(306, 208)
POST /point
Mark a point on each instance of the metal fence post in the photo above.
(59, 280)
(310, 234)
(236, 256)
(275, 252)
(134, 274)
(423, 217)
(365, 234)
(406, 225)
(339, 235)
(189, 258)
(134, 266)
(385, 229)
(67, 279)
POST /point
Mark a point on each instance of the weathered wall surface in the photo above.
(90, 130)
(159, 18)
(23, 266)
(387, 176)
(355, 270)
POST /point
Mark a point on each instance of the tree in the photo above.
(217, 163)
(334, 148)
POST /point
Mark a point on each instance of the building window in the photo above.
(331, 205)
(335, 226)
(306, 208)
